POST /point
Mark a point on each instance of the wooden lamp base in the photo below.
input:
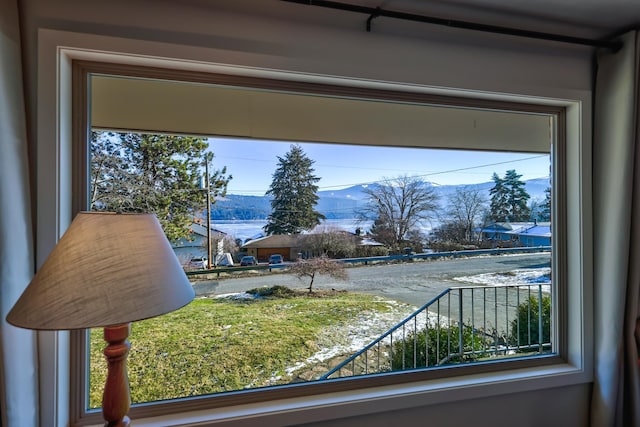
(116, 399)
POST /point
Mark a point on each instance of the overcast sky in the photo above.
(252, 164)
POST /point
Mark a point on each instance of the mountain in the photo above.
(344, 203)
(355, 192)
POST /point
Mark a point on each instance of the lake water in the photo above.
(250, 229)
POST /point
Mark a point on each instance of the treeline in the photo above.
(163, 174)
(245, 208)
(239, 207)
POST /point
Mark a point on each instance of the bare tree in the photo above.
(330, 241)
(466, 209)
(319, 265)
(398, 206)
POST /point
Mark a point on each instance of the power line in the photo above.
(444, 172)
(417, 176)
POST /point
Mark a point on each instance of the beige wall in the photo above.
(554, 408)
(277, 35)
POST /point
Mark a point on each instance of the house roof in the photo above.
(512, 226)
(293, 240)
(202, 230)
(274, 241)
(369, 242)
(540, 229)
(537, 231)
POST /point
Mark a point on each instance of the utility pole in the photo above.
(207, 159)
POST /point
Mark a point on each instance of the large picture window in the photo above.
(389, 236)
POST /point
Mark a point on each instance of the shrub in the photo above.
(316, 266)
(442, 347)
(277, 291)
(367, 251)
(446, 246)
(329, 242)
(525, 327)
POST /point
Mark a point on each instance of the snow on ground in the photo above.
(350, 337)
(238, 296)
(347, 339)
(534, 276)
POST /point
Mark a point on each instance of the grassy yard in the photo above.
(217, 345)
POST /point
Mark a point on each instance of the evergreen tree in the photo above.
(509, 198)
(157, 174)
(293, 194)
(517, 196)
(545, 208)
(382, 231)
(499, 206)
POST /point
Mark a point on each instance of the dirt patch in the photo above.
(286, 292)
(337, 342)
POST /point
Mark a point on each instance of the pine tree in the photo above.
(150, 173)
(293, 194)
(509, 198)
(545, 208)
(518, 197)
(383, 232)
(499, 206)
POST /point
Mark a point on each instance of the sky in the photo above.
(252, 163)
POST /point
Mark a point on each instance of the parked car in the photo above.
(198, 262)
(276, 259)
(248, 260)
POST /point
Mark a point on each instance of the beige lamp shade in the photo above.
(107, 269)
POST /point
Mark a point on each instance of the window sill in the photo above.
(333, 406)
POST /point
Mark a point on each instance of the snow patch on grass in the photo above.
(523, 277)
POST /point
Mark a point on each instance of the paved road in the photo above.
(412, 282)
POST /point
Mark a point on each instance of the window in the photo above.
(263, 109)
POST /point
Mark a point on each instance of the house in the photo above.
(196, 244)
(291, 246)
(507, 234)
(281, 41)
(287, 245)
(535, 235)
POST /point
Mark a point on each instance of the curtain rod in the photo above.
(375, 12)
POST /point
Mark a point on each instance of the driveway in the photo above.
(412, 282)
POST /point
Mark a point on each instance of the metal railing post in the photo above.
(386, 343)
(460, 326)
(495, 318)
(540, 327)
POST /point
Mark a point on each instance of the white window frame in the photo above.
(58, 49)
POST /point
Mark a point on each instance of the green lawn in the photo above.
(218, 345)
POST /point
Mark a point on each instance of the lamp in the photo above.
(107, 270)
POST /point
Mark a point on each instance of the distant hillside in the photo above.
(240, 207)
(344, 203)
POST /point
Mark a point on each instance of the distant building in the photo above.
(287, 245)
(536, 235)
(509, 234)
(290, 246)
(196, 244)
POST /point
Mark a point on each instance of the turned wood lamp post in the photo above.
(107, 270)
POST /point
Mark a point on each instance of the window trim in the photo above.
(574, 369)
(82, 71)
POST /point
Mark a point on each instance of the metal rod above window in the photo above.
(375, 12)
